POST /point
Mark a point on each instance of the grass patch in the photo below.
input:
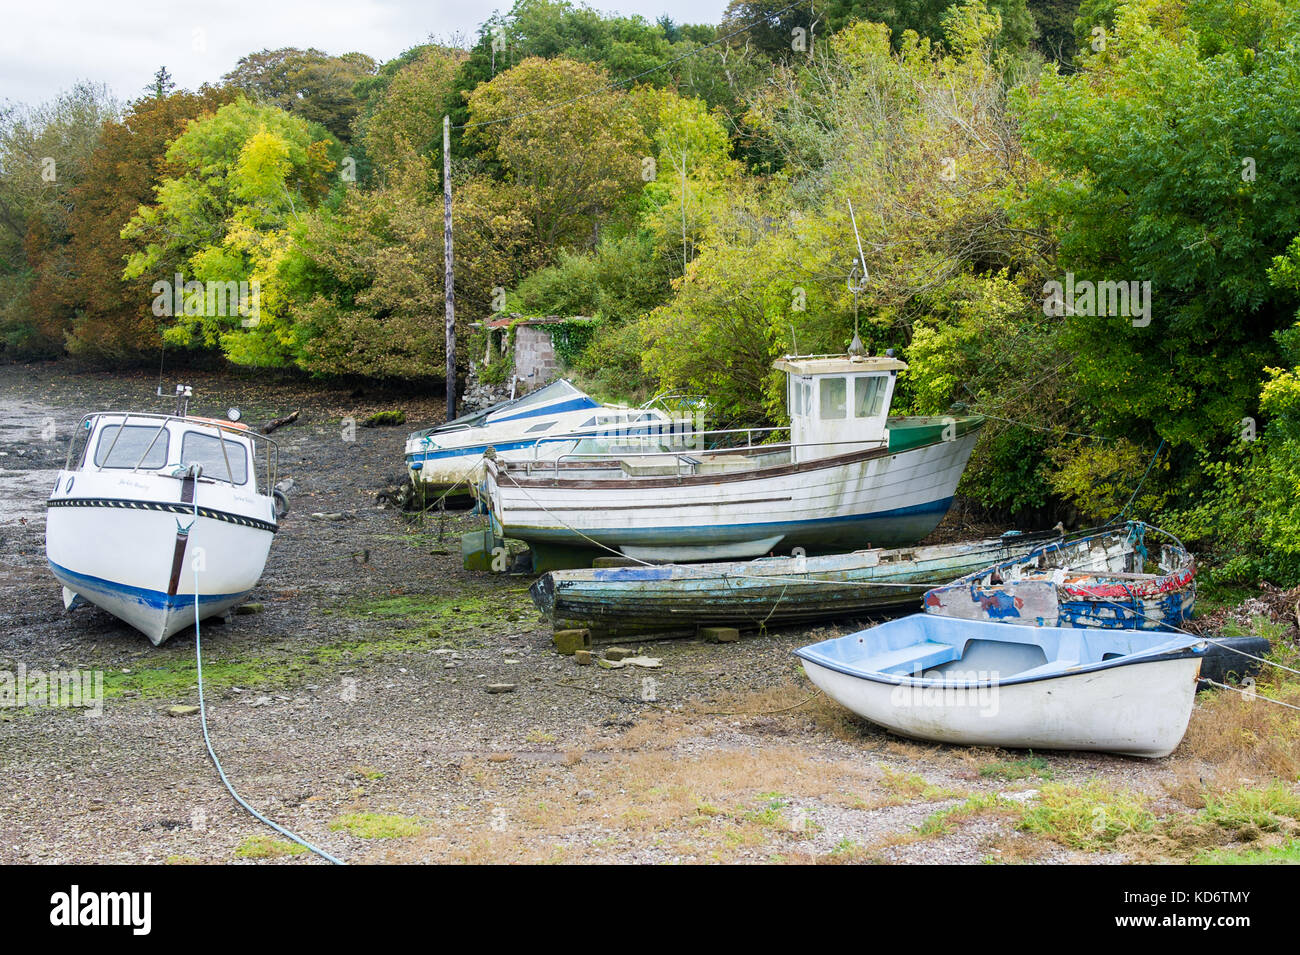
(1211, 596)
(1286, 853)
(1031, 765)
(942, 822)
(1089, 817)
(377, 825)
(468, 611)
(1273, 808)
(267, 847)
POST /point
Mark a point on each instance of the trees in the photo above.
(246, 174)
(579, 162)
(111, 319)
(307, 83)
(44, 155)
(1172, 162)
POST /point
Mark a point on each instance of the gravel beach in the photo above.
(351, 707)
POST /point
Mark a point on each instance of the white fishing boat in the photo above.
(543, 424)
(979, 683)
(150, 506)
(848, 476)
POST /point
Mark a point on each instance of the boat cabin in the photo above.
(120, 442)
(838, 405)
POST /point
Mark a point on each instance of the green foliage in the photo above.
(310, 84)
(45, 153)
(579, 163)
(247, 174)
(385, 419)
(1196, 202)
(570, 339)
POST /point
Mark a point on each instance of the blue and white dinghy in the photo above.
(981, 683)
(441, 458)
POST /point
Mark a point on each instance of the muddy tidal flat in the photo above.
(351, 706)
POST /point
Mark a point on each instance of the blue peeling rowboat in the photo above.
(1098, 580)
(981, 683)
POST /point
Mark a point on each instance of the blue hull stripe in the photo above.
(478, 449)
(723, 533)
(575, 404)
(156, 599)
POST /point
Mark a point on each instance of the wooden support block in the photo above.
(568, 642)
(719, 634)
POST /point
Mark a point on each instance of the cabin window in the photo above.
(205, 450)
(128, 450)
(540, 427)
(868, 396)
(796, 393)
(833, 395)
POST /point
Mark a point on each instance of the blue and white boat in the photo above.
(850, 476)
(541, 425)
(154, 514)
(980, 683)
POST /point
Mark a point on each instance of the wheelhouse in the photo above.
(838, 405)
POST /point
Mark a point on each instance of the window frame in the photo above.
(163, 436)
(822, 394)
(230, 443)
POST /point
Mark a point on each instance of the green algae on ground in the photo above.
(378, 825)
(267, 847)
(468, 609)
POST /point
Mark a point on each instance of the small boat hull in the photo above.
(770, 591)
(824, 506)
(982, 684)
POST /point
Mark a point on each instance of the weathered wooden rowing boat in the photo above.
(153, 514)
(1099, 580)
(849, 475)
(676, 599)
(980, 683)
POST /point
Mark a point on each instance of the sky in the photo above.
(46, 47)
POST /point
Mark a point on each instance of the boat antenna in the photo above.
(857, 285)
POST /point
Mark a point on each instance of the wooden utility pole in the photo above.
(449, 281)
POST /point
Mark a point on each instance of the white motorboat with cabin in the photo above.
(848, 477)
(153, 512)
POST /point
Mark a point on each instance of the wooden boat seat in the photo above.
(912, 659)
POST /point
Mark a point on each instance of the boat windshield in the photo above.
(221, 464)
(128, 449)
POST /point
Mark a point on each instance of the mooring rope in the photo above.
(207, 740)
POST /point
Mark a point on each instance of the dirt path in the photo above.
(352, 707)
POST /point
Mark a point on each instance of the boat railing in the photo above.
(689, 457)
(270, 462)
(672, 429)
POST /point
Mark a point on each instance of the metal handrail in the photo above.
(272, 463)
(679, 455)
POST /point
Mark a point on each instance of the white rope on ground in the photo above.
(207, 741)
(1253, 696)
